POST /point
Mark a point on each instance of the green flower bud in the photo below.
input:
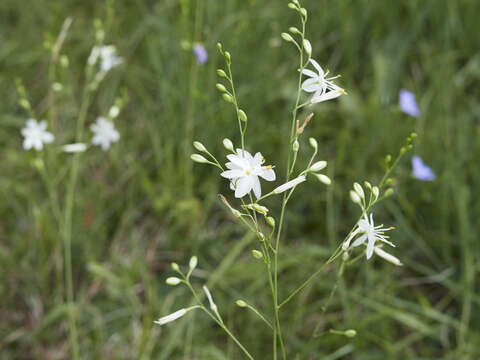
(323, 179)
(221, 73)
(388, 192)
(294, 30)
(308, 47)
(313, 143)
(199, 146)
(295, 146)
(270, 221)
(242, 116)
(257, 254)
(227, 98)
(319, 165)
(350, 333)
(175, 267)
(227, 143)
(173, 281)
(227, 56)
(241, 303)
(287, 37)
(359, 190)
(221, 87)
(198, 158)
(193, 263)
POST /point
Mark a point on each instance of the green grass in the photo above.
(144, 204)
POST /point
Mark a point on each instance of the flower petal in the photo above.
(257, 190)
(244, 185)
(231, 174)
(315, 64)
(267, 174)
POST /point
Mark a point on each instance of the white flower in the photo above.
(36, 134)
(318, 83)
(172, 317)
(104, 133)
(108, 57)
(244, 170)
(369, 232)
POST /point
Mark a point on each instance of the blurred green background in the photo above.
(143, 204)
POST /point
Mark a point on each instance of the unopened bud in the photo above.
(389, 182)
(270, 221)
(221, 73)
(375, 192)
(227, 56)
(303, 11)
(227, 143)
(287, 37)
(199, 146)
(354, 197)
(359, 190)
(227, 98)
(308, 47)
(403, 150)
(257, 254)
(350, 333)
(221, 87)
(319, 165)
(193, 263)
(388, 159)
(198, 158)
(241, 303)
(242, 116)
(294, 30)
(258, 208)
(367, 185)
(175, 267)
(219, 47)
(388, 192)
(260, 236)
(323, 179)
(292, 6)
(173, 281)
(313, 143)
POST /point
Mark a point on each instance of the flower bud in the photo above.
(295, 146)
(221, 87)
(227, 143)
(313, 143)
(389, 182)
(221, 73)
(257, 254)
(199, 159)
(258, 208)
(303, 11)
(175, 267)
(359, 190)
(345, 256)
(292, 6)
(219, 47)
(113, 112)
(227, 98)
(241, 303)
(375, 192)
(270, 221)
(388, 159)
(319, 165)
(199, 146)
(294, 30)
(323, 179)
(173, 281)
(354, 197)
(367, 185)
(308, 47)
(403, 150)
(388, 193)
(350, 333)
(193, 263)
(287, 37)
(260, 236)
(227, 56)
(242, 116)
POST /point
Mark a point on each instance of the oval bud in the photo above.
(287, 37)
(354, 197)
(294, 30)
(227, 56)
(308, 47)
(241, 303)
(221, 87)
(295, 146)
(323, 179)
(313, 143)
(193, 263)
(350, 333)
(173, 281)
(198, 158)
(242, 116)
(257, 254)
(319, 165)
(199, 146)
(227, 143)
(175, 267)
(388, 193)
(270, 221)
(359, 190)
(227, 98)
(375, 192)
(221, 73)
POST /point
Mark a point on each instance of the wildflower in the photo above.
(323, 88)
(104, 133)
(244, 170)
(421, 171)
(108, 57)
(408, 104)
(200, 53)
(369, 232)
(36, 134)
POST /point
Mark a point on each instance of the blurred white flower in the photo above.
(244, 170)
(36, 134)
(108, 57)
(104, 133)
(74, 148)
(369, 232)
(323, 88)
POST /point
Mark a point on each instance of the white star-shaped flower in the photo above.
(244, 170)
(104, 133)
(108, 57)
(36, 134)
(318, 83)
(369, 232)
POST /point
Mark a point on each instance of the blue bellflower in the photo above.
(200, 53)
(408, 104)
(421, 171)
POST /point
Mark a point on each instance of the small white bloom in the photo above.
(74, 148)
(36, 134)
(389, 257)
(244, 170)
(104, 133)
(172, 317)
(318, 83)
(108, 57)
(369, 232)
(290, 184)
